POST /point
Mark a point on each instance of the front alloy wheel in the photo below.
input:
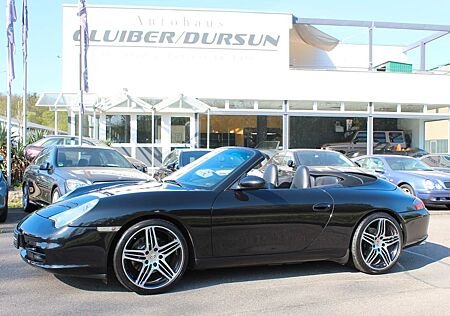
(151, 257)
(377, 244)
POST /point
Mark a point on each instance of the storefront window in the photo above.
(144, 129)
(118, 128)
(180, 130)
(245, 130)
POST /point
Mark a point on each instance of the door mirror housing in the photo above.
(291, 163)
(380, 171)
(251, 183)
(45, 166)
(173, 166)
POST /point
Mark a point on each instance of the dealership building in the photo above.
(164, 78)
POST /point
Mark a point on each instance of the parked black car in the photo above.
(61, 169)
(32, 150)
(177, 159)
(212, 214)
(3, 196)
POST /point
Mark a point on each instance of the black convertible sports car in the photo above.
(212, 214)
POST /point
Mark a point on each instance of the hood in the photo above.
(105, 174)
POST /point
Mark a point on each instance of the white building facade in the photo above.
(162, 78)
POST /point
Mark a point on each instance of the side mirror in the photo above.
(291, 164)
(252, 182)
(380, 171)
(172, 166)
(357, 163)
(45, 166)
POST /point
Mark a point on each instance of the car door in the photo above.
(268, 221)
(44, 178)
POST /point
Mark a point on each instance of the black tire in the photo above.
(377, 257)
(27, 206)
(4, 214)
(408, 189)
(133, 269)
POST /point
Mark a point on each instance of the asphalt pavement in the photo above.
(418, 285)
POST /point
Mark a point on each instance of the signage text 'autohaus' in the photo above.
(181, 39)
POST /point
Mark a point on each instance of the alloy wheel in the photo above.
(380, 244)
(153, 257)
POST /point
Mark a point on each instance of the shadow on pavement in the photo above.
(412, 259)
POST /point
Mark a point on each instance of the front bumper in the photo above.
(415, 226)
(435, 197)
(75, 251)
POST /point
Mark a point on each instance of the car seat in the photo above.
(301, 179)
(271, 176)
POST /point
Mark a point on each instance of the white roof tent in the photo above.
(323, 39)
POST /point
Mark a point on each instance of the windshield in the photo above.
(90, 157)
(406, 164)
(323, 158)
(190, 156)
(212, 169)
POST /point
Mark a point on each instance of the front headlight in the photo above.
(72, 184)
(429, 185)
(67, 217)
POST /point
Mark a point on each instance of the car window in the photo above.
(42, 157)
(212, 169)
(406, 164)
(323, 158)
(444, 161)
(396, 137)
(278, 159)
(187, 157)
(91, 157)
(379, 137)
(53, 141)
(362, 162)
(171, 158)
(432, 161)
(374, 163)
(360, 137)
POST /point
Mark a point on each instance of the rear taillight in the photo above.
(418, 204)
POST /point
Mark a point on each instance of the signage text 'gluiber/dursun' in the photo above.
(168, 38)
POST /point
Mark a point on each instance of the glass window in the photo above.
(432, 161)
(118, 128)
(323, 158)
(241, 104)
(407, 164)
(396, 137)
(374, 163)
(355, 106)
(52, 141)
(300, 105)
(180, 130)
(270, 105)
(144, 129)
(171, 158)
(42, 157)
(212, 169)
(186, 157)
(328, 106)
(214, 103)
(360, 137)
(385, 107)
(379, 137)
(91, 157)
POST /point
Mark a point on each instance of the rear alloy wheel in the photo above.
(27, 206)
(55, 195)
(150, 257)
(377, 244)
(407, 189)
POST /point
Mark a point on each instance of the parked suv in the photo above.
(359, 141)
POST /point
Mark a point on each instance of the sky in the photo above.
(45, 27)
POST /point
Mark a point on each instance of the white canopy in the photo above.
(315, 37)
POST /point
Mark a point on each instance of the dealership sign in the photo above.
(178, 39)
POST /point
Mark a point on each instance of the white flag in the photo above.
(10, 19)
(84, 41)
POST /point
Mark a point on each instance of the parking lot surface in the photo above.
(418, 285)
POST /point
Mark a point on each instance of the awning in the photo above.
(315, 37)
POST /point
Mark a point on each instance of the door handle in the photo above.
(322, 207)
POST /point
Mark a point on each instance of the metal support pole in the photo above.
(95, 125)
(80, 110)
(56, 120)
(25, 99)
(422, 56)
(8, 133)
(153, 142)
(371, 47)
(208, 127)
(285, 123)
(369, 148)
